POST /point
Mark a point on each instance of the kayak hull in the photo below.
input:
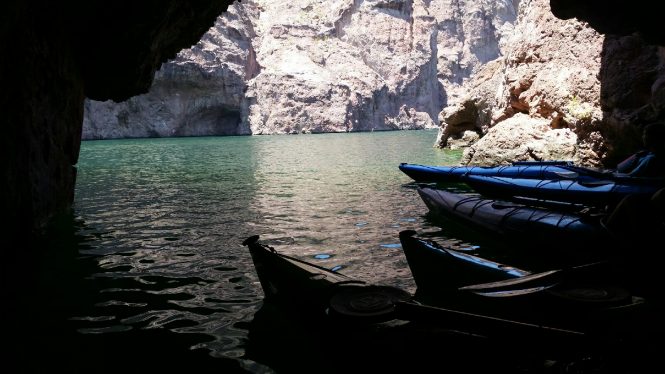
(587, 298)
(556, 233)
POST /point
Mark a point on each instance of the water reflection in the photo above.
(342, 193)
(71, 315)
(166, 213)
(159, 257)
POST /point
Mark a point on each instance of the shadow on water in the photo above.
(49, 287)
(51, 306)
(292, 334)
(57, 298)
(292, 343)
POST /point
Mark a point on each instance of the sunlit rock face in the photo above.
(549, 72)
(311, 66)
(522, 138)
(55, 55)
(565, 74)
(371, 65)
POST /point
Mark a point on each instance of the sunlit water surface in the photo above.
(163, 221)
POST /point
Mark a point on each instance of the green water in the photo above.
(162, 221)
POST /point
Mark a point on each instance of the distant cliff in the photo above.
(507, 80)
(308, 66)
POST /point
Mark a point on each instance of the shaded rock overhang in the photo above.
(619, 17)
(131, 39)
(54, 55)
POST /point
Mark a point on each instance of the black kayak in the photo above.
(460, 290)
(519, 223)
(437, 268)
(322, 314)
(588, 297)
(328, 297)
(311, 288)
(322, 293)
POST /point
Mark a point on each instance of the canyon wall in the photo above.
(274, 67)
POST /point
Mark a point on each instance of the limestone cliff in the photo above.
(583, 94)
(271, 67)
(310, 66)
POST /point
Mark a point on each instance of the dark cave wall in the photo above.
(632, 92)
(632, 73)
(42, 88)
(620, 17)
(54, 55)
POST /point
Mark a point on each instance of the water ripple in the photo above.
(165, 219)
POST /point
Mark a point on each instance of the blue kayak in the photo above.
(442, 174)
(596, 192)
(545, 170)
